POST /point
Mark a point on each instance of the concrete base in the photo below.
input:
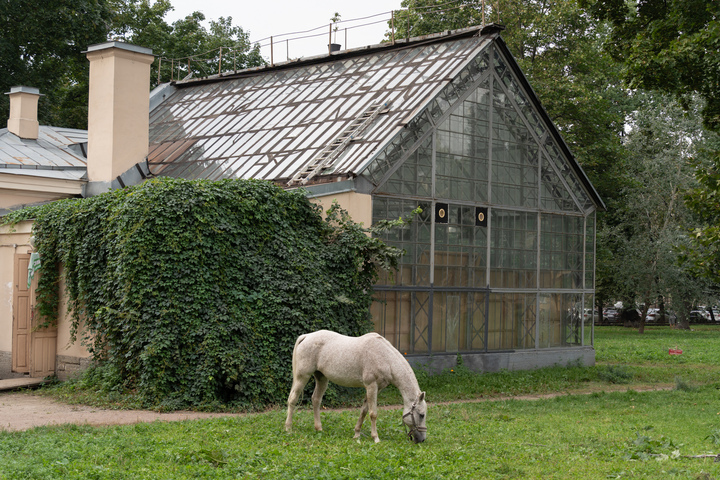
(508, 360)
(6, 367)
(67, 367)
(17, 383)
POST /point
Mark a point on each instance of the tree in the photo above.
(653, 222)
(673, 46)
(43, 42)
(194, 49)
(668, 45)
(41, 46)
(703, 248)
(202, 51)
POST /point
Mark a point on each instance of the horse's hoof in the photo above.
(377, 439)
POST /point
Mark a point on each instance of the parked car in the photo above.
(653, 315)
(590, 313)
(611, 315)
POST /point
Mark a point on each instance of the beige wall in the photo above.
(17, 240)
(64, 347)
(17, 190)
(358, 205)
(11, 242)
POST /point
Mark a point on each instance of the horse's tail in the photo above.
(294, 359)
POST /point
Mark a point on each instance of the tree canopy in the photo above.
(43, 42)
(668, 45)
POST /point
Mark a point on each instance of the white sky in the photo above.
(262, 19)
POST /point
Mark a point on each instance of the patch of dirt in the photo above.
(22, 410)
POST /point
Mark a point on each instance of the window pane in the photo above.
(561, 249)
(513, 249)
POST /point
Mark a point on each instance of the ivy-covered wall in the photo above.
(193, 292)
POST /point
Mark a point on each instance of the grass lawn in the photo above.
(616, 432)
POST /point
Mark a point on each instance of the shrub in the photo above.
(193, 292)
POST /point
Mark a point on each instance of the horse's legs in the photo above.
(371, 399)
(321, 384)
(295, 391)
(363, 412)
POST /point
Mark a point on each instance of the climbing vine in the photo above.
(192, 293)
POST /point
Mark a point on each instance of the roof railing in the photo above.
(224, 60)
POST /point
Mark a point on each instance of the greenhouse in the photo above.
(499, 265)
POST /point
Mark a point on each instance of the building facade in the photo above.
(500, 262)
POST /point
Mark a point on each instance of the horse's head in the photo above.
(414, 418)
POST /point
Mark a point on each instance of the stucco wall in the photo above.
(12, 240)
(27, 189)
(16, 240)
(64, 345)
(358, 205)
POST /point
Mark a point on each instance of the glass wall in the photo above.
(502, 257)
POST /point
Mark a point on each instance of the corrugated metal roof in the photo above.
(57, 153)
(270, 123)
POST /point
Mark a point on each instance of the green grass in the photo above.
(615, 432)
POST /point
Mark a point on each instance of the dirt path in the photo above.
(22, 410)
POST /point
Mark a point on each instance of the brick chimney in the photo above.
(23, 120)
(118, 111)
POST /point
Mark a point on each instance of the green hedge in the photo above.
(192, 293)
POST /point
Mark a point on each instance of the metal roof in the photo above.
(57, 153)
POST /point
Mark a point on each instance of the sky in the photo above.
(362, 22)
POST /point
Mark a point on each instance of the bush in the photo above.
(193, 292)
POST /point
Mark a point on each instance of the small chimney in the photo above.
(23, 120)
(118, 109)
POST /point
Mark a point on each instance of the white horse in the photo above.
(369, 361)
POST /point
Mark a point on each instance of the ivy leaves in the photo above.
(193, 292)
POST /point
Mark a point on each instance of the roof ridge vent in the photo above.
(333, 150)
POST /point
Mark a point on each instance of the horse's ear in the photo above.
(421, 397)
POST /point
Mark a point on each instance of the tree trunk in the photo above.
(643, 316)
(683, 322)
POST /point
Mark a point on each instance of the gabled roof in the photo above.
(58, 153)
(269, 123)
(272, 122)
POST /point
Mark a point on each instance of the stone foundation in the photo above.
(6, 367)
(509, 360)
(67, 367)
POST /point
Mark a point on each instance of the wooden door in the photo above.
(22, 319)
(33, 350)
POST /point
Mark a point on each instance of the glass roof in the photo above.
(271, 123)
(279, 123)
